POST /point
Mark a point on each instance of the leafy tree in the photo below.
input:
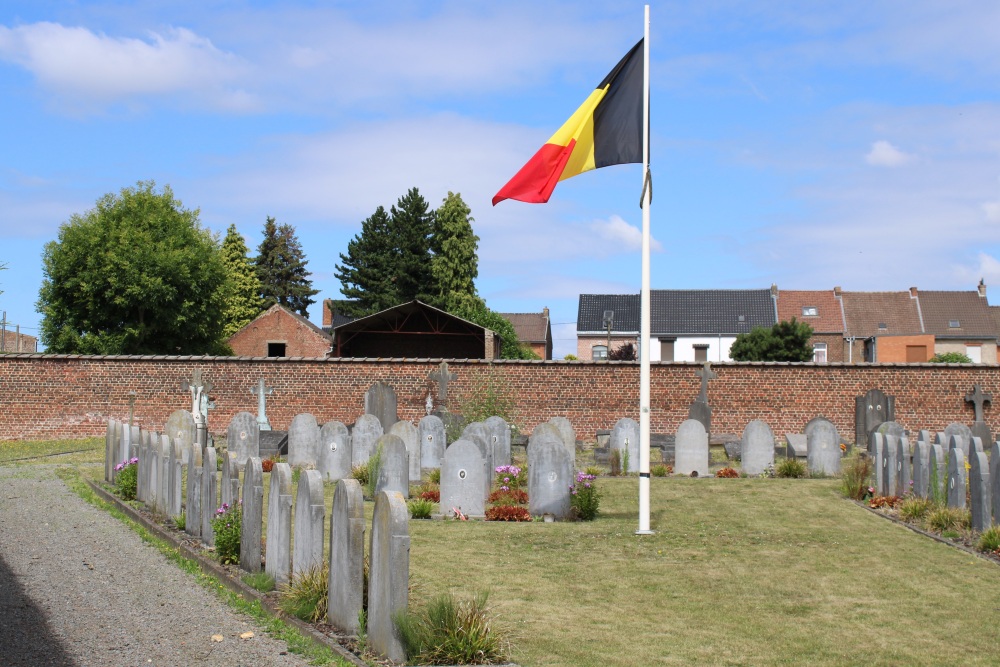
(242, 300)
(624, 352)
(281, 269)
(455, 265)
(137, 274)
(785, 341)
(510, 348)
(367, 272)
(950, 358)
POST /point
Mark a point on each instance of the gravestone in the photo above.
(408, 433)
(567, 432)
(199, 389)
(878, 450)
(499, 432)
(890, 470)
(141, 476)
(995, 482)
(192, 495)
(243, 437)
(310, 515)
(964, 434)
(904, 470)
(366, 432)
(253, 515)
(389, 574)
(273, 444)
(979, 491)
(891, 428)
(109, 452)
(209, 497)
(278, 557)
(380, 400)
(956, 478)
(303, 441)
(921, 469)
(334, 452)
(625, 438)
(477, 433)
(442, 376)
(175, 496)
(979, 427)
(165, 465)
(394, 471)
(181, 427)
(700, 410)
(691, 449)
(432, 441)
(823, 445)
(347, 556)
(463, 478)
(870, 411)
(550, 473)
(796, 446)
(976, 445)
(757, 447)
(262, 391)
(937, 473)
(230, 494)
(153, 492)
(133, 446)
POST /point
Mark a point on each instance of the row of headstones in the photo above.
(691, 452)
(900, 469)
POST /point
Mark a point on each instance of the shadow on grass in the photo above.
(25, 636)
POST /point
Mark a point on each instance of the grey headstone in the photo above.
(870, 411)
(109, 451)
(243, 437)
(921, 469)
(125, 443)
(192, 496)
(961, 430)
(879, 464)
(463, 479)
(163, 497)
(691, 449)
(982, 431)
(904, 470)
(567, 432)
(979, 491)
(976, 445)
(180, 426)
(278, 556)
(366, 432)
(394, 471)
(334, 452)
(209, 497)
(141, 478)
(477, 433)
(956, 441)
(701, 412)
(380, 400)
(550, 473)
(133, 446)
(303, 441)
(796, 445)
(956, 478)
(347, 555)
(310, 515)
(890, 471)
(823, 444)
(432, 441)
(253, 515)
(757, 451)
(408, 433)
(937, 472)
(230, 491)
(891, 428)
(155, 467)
(995, 482)
(176, 494)
(625, 438)
(389, 574)
(499, 432)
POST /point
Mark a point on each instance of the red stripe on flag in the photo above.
(537, 179)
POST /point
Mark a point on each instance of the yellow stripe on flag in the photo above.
(580, 126)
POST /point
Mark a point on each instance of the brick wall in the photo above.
(53, 396)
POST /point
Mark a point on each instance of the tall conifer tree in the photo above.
(455, 265)
(281, 269)
(242, 298)
(367, 272)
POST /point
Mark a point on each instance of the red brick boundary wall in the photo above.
(69, 396)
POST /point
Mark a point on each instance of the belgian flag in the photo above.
(605, 130)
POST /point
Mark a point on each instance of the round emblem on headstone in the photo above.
(885, 463)
(952, 482)
(180, 433)
(243, 435)
(333, 446)
(496, 439)
(878, 407)
(462, 474)
(552, 476)
(429, 437)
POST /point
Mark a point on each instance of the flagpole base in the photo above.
(645, 532)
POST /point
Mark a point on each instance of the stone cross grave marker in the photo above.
(980, 429)
(278, 557)
(262, 391)
(705, 373)
(442, 377)
(347, 555)
(199, 389)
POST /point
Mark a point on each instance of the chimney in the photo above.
(545, 312)
(982, 288)
(327, 312)
(913, 292)
(837, 291)
(774, 290)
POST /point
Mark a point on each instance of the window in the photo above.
(700, 352)
(599, 352)
(954, 324)
(819, 353)
(810, 311)
(974, 352)
(275, 349)
(666, 349)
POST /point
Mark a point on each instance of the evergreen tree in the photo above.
(281, 269)
(785, 341)
(242, 298)
(455, 265)
(367, 273)
(411, 224)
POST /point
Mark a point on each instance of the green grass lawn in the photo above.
(738, 572)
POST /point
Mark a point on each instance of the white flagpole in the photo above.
(644, 382)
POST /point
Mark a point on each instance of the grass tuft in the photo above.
(453, 632)
(791, 468)
(305, 596)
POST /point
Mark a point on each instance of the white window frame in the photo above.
(819, 353)
(599, 352)
(810, 311)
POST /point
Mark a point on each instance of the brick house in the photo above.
(823, 311)
(960, 322)
(15, 341)
(534, 330)
(278, 332)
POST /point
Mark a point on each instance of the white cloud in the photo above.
(992, 210)
(884, 154)
(619, 233)
(985, 267)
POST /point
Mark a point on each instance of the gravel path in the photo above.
(77, 587)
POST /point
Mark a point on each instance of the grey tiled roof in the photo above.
(590, 315)
(681, 312)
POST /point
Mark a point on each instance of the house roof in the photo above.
(829, 317)
(278, 307)
(864, 312)
(680, 312)
(968, 309)
(530, 327)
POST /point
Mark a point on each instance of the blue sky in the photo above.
(804, 144)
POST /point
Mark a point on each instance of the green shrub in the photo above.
(659, 470)
(360, 473)
(260, 581)
(615, 462)
(854, 474)
(593, 470)
(945, 519)
(126, 476)
(791, 468)
(434, 476)
(913, 508)
(181, 521)
(420, 509)
(950, 358)
(305, 596)
(453, 632)
(585, 499)
(989, 541)
(227, 526)
(374, 468)
(296, 473)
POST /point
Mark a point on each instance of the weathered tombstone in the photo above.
(891, 428)
(230, 492)
(976, 445)
(463, 478)
(278, 557)
(904, 470)
(394, 471)
(978, 398)
(347, 555)
(567, 432)
(937, 473)
(499, 432)
(142, 473)
(303, 441)
(823, 444)
(192, 495)
(691, 449)
(181, 427)
(109, 452)
(380, 400)
(153, 490)
(175, 495)
(956, 478)
(163, 497)
(757, 447)
(921, 469)
(125, 443)
(366, 432)
(964, 434)
(442, 376)
(334, 452)
(890, 475)
(243, 437)
(870, 411)
(878, 452)
(995, 481)
(310, 515)
(700, 410)
(477, 433)
(209, 498)
(979, 491)
(550, 473)
(262, 391)
(408, 433)
(624, 439)
(432, 441)
(389, 574)
(253, 515)
(796, 447)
